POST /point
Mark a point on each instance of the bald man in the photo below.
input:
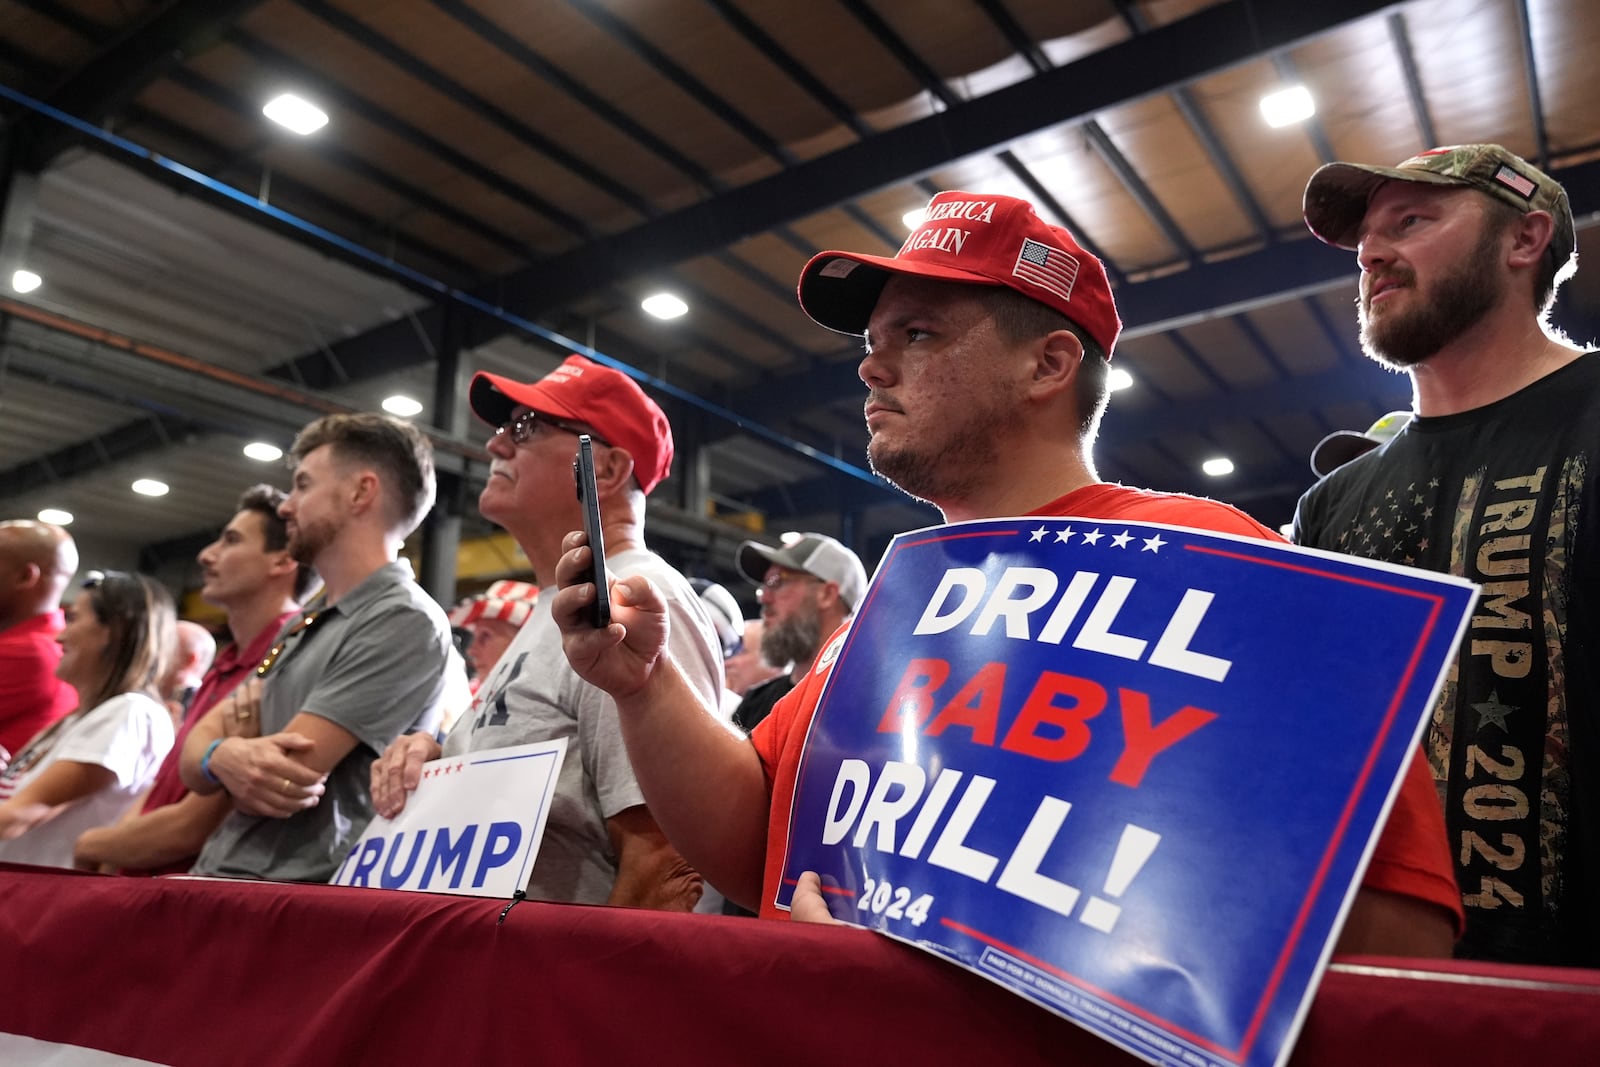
(192, 654)
(36, 562)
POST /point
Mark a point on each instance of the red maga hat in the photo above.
(977, 239)
(580, 390)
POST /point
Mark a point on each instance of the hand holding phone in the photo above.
(589, 497)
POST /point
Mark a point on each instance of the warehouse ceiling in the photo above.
(502, 181)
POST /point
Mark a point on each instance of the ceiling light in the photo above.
(1118, 379)
(295, 113)
(1218, 467)
(25, 281)
(150, 487)
(1288, 106)
(664, 306)
(914, 218)
(56, 516)
(263, 452)
(403, 406)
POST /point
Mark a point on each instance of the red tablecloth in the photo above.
(184, 971)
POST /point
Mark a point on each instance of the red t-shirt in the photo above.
(31, 696)
(230, 667)
(1412, 857)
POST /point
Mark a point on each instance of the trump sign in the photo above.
(473, 825)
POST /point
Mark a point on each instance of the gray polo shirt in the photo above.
(374, 664)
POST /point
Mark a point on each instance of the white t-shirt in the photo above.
(129, 735)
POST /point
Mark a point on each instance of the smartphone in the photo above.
(588, 496)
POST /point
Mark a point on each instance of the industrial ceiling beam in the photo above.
(99, 90)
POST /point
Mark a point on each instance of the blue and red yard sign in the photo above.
(1130, 771)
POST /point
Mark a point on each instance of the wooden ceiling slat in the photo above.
(1230, 353)
(1163, 148)
(1163, 365)
(1088, 190)
(615, 73)
(1275, 163)
(465, 58)
(1296, 340)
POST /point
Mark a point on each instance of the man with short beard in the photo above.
(248, 573)
(1461, 250)
(808, 588)
(369, 659)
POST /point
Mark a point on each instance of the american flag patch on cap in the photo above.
(1512, 180)
(1048, 268)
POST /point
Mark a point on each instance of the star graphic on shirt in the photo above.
(1063, 536)
(1037, 535)
(1153, 544)
(1417, 499)
(1093, 536)
(1492, 711)
(1433, 483)
(1422, 545)
(1122, 539)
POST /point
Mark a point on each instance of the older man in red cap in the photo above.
(987, 342)
(601, 844)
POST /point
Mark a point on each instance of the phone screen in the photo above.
(583, 475)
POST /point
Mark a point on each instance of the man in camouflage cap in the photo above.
(1461, 250)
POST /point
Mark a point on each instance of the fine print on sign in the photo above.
(1132, 772)
(473, 825)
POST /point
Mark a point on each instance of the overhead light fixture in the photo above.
(915, 217)
(55, 516)
(295, 113)
(25, 281)
(1118, 379)
(1218, 467)
(664, 306)
(262, 452)
(403, 406)
(1288, 106)
(151, 487)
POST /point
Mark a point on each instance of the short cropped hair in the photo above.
(402, 456)
(1018, 318)
(1501, 216)
(265, 500)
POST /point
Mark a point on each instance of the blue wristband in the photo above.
(205, 761)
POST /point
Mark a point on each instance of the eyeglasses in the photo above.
(521, 428)
(307, 620)
(774, 582)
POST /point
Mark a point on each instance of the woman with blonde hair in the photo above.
(85, 769)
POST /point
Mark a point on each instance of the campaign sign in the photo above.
(473, 825)
(1130, 771)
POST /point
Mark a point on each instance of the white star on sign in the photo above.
(1064, 536)
(1122, 539)
(1037, 535)
(1153, 544)
(1093, 536)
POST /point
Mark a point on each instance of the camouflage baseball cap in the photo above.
(1337, 195)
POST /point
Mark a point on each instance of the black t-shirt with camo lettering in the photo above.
(1506, 496)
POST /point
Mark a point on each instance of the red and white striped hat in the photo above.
(505, 601)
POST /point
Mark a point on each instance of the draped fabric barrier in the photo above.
(183, 971)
